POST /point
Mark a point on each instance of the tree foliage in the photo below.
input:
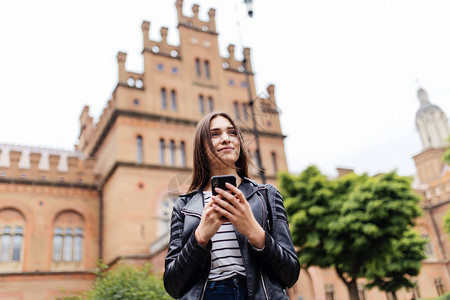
(351, 223)
(127, 282)
(406, 257)
(447, 222)
(447, 153)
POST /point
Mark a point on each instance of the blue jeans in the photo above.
(234, 288)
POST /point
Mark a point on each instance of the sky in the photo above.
(346, 73)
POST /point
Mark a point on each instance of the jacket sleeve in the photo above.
(183, 264)
(278, 256)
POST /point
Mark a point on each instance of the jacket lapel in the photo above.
(195, 205)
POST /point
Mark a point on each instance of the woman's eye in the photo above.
(214, 134)
(232, 132)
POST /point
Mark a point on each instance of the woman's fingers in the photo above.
(227, 196)
(237, 192)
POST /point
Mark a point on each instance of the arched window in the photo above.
(68, 239)
(165, 213)
(236, 109)
(78, 244)
(67, 245)
(245, 112)
(210, 104)
(197, 67)
(17, 244)
(274, 163)
(429, 252)
(57, 244)
(12, 224)
(183, 154)
(201, 104)
(173, 97)
(163, 98)
(207, 73)
(439, 284)
(5, 244)
(162, 149)
(139, 149)
(172, 153)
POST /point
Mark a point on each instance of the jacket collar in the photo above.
(195, 205)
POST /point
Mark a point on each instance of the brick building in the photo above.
(110, 198)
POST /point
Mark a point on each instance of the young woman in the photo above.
(225, 246)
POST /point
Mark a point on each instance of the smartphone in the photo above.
(219, 181)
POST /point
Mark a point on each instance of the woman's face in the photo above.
(224, 140)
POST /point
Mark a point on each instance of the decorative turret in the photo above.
(162, 47)
(163, 33)
(121, 60)
(194, 22)
(212, 19)
(230, 63)
(432, 123)
(247, 59)
(145, 31)
(271, 91)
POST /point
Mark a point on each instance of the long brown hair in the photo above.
(201, 173)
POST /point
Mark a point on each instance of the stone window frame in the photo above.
(10, 236)
(67, 246)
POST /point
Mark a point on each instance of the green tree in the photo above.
(447, 215)
(126, 282)
(405, 261)
(447, 222)
(350, 223)
(447, 153)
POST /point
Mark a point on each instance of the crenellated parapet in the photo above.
(194, 22)
(159, 47)
(130, 79)
(232, 64)
(88, 139)
(267, 104)
(40, 165)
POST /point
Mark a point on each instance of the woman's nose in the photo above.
(225, 137)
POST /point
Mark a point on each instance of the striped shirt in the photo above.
(226, 257)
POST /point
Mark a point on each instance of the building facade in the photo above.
(433, 183)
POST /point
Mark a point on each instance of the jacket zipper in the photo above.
(260, 272)
(263, 284)
(263, 212)
(188, 213)
(206, 282)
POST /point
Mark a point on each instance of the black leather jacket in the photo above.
(269, 271)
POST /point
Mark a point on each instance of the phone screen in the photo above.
(219, 181)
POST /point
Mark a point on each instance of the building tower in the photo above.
(432, 123)
(142, 142)
(434, 182)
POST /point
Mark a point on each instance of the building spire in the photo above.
(431, 122)
(423, 97)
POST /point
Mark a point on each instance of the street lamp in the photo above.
(249, 5)
(251, 103)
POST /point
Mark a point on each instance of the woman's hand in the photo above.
(237, 210)
(209, 224)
